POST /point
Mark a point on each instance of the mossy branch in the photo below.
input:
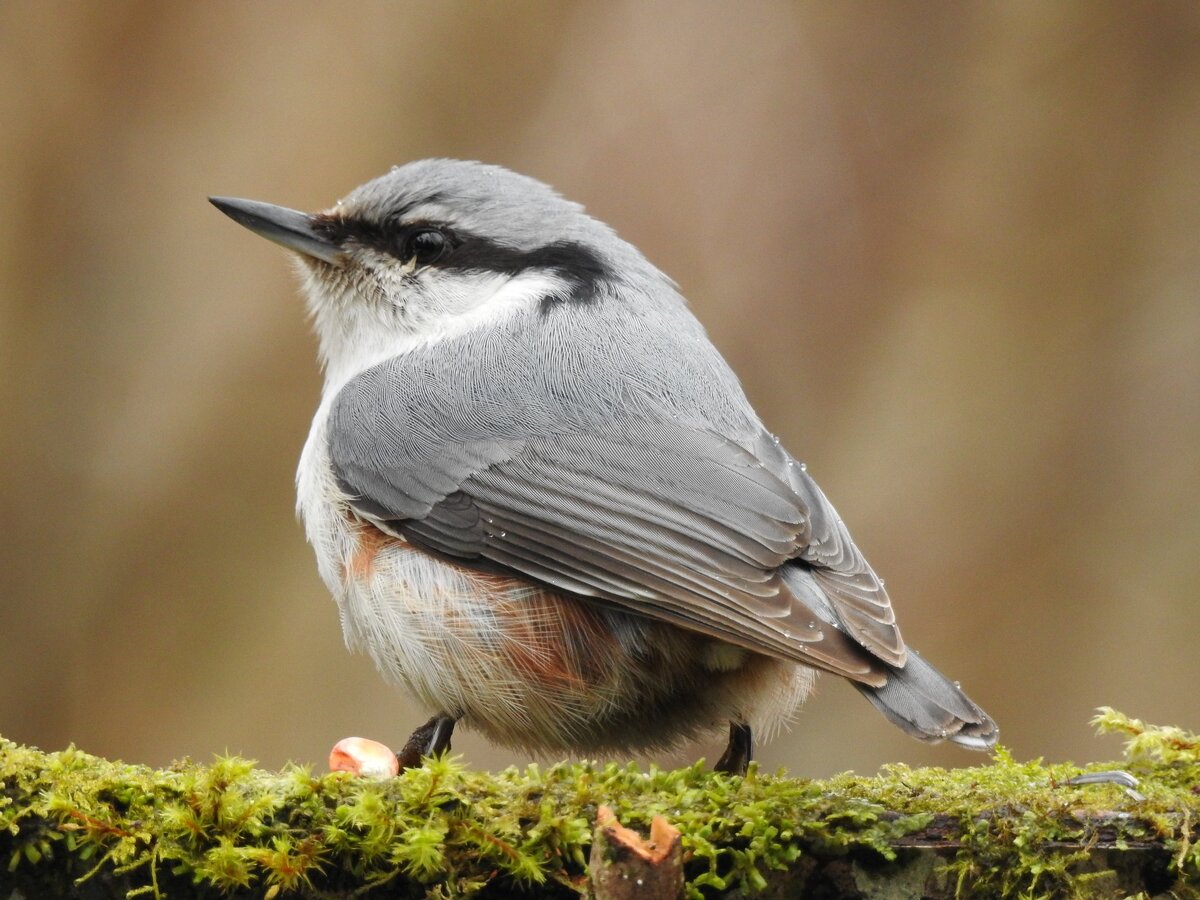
(74, 825)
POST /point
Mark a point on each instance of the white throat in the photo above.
(355, 336)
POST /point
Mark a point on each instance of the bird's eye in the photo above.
(423, 246)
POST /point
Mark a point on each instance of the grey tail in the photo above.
(923, 702)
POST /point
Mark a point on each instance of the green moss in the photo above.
(1010, 828)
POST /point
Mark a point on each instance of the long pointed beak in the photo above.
(286, 227)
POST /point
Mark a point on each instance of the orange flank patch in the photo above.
(555, 640)
(369, 541)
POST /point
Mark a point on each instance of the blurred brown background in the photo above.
(952, 250)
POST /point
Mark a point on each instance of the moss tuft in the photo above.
(1006, 829)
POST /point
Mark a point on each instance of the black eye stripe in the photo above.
(575, 262)
(422, 244)
(392, 237)
(341, 230)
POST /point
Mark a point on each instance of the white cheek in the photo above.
(357, 333)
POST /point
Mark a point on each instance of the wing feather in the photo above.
(674, 516)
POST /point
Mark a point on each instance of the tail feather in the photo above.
(924, 703)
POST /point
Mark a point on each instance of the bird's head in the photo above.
(434, 248)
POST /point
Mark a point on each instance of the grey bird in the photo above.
(541, 498)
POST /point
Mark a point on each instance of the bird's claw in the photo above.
(430, 739)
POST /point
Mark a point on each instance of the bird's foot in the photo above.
(736, 758)
(430, 739)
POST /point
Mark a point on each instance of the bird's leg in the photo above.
(736, 758)
(430, 739)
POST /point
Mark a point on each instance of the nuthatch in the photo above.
(543, 502)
